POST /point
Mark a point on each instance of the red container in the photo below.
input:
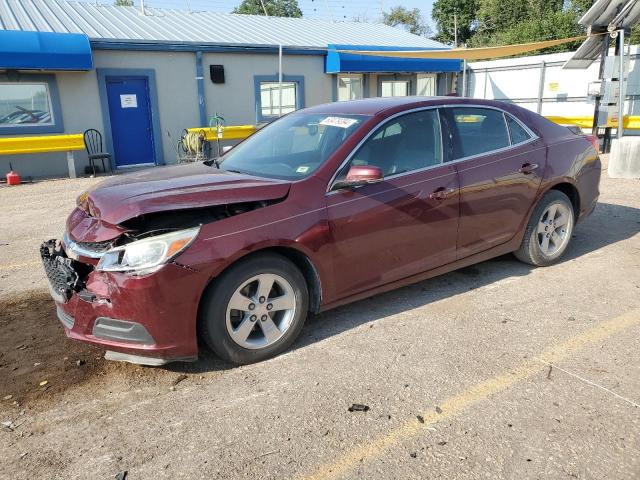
(13, 178)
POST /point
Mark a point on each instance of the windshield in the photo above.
(292, 147)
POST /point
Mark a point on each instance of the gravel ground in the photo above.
(495, 371)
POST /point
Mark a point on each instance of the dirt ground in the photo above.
(498, 370)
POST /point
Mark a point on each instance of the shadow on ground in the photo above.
(33, 347)
(608, 224)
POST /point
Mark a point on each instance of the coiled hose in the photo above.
(193, 143)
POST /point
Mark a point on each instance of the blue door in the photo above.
(130, 118)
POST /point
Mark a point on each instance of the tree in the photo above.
(465, 13)
(123, 3)
(558, 24)
(524, 21)
(581, 6)
(410, 20)
(274, 8)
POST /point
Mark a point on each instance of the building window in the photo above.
(426, 84)
(270, 98)
(268, 95)
(350, 87)
(29, 104)
(394, 88)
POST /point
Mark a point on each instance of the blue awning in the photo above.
(338, 61)
(44, 51)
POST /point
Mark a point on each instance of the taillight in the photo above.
(594, 141)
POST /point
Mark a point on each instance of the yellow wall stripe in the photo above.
(46, 143)
(230, 132)
(631, 122)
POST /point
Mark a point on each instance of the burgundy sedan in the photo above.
(322, 207)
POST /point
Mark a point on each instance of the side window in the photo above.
(518, 134)
(407, 143)
(479, 130)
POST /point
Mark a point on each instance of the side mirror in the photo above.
(359, 175)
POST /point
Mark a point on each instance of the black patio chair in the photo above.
(93, 144)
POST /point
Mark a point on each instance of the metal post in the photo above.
(543, 70)
(142, 7)
(486, 80)
(621, 82)
(596, 110)
(464, 77)
(264, 9)
(202, 108)
(455, 29)
(280, 78)
(71, 164)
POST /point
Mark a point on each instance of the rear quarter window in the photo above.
(518, 133)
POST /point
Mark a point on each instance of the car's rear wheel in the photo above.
(549, 231)
(255, 310)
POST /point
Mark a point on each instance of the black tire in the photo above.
(212, 321)
(530, 250)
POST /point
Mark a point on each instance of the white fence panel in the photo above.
(539, 83)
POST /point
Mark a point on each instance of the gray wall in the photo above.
(235, 99)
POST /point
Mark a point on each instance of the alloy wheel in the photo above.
(554, 229)
(260, 311)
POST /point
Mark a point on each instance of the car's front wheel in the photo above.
(254, 310)
(549, 231)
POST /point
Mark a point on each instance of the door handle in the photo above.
(528, 168)
(441, 194)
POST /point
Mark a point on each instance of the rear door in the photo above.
(500, 163)
(396, 228)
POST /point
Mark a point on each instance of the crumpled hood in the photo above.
(178, 187)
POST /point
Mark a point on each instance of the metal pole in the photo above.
(264, 8)
(280, 78)
(543, 71)
(464, 77)
(141, 7)
(621, 82)
(596, 110)
(455, 29)
(486, 80)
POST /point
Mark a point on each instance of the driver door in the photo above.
(405, 224)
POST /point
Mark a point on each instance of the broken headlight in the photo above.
(146, 255)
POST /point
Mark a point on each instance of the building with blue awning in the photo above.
(140, 78)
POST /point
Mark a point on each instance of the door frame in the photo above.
(150, 76)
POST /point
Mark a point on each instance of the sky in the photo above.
(320, 9)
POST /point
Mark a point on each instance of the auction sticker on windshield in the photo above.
(338, 122)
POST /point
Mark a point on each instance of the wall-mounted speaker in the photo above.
(217, 73)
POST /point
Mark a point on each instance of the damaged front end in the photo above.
(65, 275)
(135, 316)
(115, 274)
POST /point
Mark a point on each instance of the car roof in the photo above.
(381, 105)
